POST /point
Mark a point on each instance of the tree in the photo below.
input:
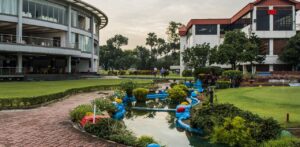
(117, 41)
(151, 40)
(126, 61)
(291, 53)
(230, 52)
(143, 58)
(253, 53)
(173, 36)
(111, 53)
(197, 56)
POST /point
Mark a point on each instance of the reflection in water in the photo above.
(162, 126)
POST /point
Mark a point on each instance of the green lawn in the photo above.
(273, 102)
(29, 89)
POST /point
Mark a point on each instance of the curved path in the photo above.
(47, 126)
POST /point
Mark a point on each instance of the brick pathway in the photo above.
(47, 126)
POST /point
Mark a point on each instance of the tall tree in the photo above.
(143, 58)
(253, 53)
(117, 41)
(230, 52)
(197, 56)
(291, 53)
(173, 35)
(151, 40)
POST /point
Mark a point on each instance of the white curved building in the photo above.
(49, 37)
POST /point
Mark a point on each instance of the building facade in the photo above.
(49, 36)
(274, 21)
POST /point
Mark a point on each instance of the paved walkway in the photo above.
(47, 126)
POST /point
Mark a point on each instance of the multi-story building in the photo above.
(274, 21)
(49, 37)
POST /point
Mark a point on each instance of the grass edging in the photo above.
(37, 101)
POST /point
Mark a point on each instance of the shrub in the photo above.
(112, 73)
(143, 141)
(187, 73)
(183, 87)
(113, 130)
(234, 132)
(282, 142)
(79, 112)
(213, 70)
(140, 94)
(177, 95)
(122, 72)
(207, 117)
(105, 105)
(128, 87)
(235, 76)
(223, 84)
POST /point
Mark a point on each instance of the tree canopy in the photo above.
(291, 53)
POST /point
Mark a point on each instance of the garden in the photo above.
(157, 115)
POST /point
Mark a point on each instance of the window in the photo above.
(265, 48)
(262, 19)
(44, 10)
(74, 18)
(283, 20)
(9, 7)
(206, 30)
(81, 21)
(81, 42)
(279, 45)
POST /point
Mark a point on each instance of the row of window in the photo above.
(9, 7)
(278, 44)
(282, 20)
(80, 20)
(82, 42)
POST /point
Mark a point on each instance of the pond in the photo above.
(162, 126)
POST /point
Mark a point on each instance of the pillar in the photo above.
(271, 68)
(245, 69)
(271, 19)
(94, 69)
(69, 33)
(19, 63)
(69, 64)
(271, 47)
(253, 69)
(254, 19)
(19, 31)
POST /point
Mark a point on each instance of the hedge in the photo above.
(33, 102)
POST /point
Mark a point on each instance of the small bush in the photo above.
(143, 141)
(282, 142)
(183, 87)
(105, 105)
(187, 73)
(234, 132)
(213, 70)
(140, 94)
(177, 95)
(122, 72)
(128, 87)
(79, 112)
(235, 76)
(223, 84)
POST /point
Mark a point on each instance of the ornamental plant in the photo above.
(128, 87)
(79, 112)
(105, 105)
(177, 95)
(140, 94)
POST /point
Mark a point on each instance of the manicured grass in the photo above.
(273, 102)
(177, 77)
(30, 89)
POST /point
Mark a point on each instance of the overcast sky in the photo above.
(136, 18)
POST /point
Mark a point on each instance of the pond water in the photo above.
(162, 126)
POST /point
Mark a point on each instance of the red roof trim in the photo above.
(235, 18)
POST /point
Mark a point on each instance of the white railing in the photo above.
(11, 71)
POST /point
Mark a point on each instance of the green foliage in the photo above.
(177, 95)
(143, 141)
(214, 70)
(223, 84)
(183, 87)
(197, 56)
(105, 105)
(207, 117)
(233, 132)
(282, 142)
(128, 86)
(235, 76)
(253, 52)
(187, 73)
(140, 94)
(291, 53)
(79, 112)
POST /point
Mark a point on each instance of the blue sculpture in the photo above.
(162, 95)
(128, 99)
(119, 115)
(198, 86)
(153, 145)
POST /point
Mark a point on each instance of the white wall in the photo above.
(83, 66)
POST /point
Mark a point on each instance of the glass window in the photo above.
(25, 8)
(31, 9)
(279, 45)
(55, 14)
(206, 29)
(262, 19)
(74, 18)
(39, 11)
(283, 20)
(87, 24)
(8, 7)
(50, 13)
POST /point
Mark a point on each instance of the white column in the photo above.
(244, 69)
(20, 22)
(69, 33)
(254, 19)
(271, 19)
(271, 47)
(20, 63)
(69, 64)
(271, 68)
(182, 48)
(253, 69)
(294, 18)
(94, 69)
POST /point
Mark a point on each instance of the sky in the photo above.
(136, 18)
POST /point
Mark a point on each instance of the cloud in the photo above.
(135, 18)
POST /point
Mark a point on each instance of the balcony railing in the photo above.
(11, 71)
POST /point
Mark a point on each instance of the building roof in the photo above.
(101, 15)
(248, 8)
